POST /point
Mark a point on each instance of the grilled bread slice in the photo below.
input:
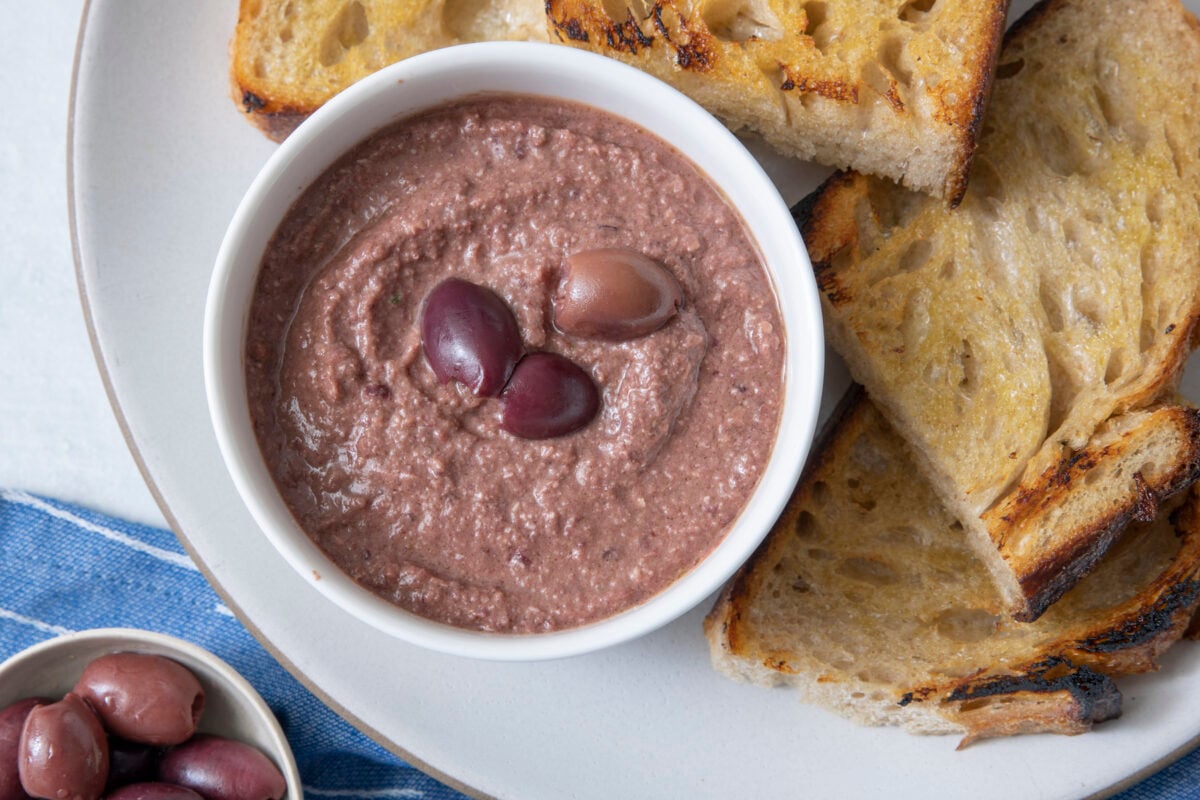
(867, 598)
(889, 87)
(290, 56)
(1018, 341)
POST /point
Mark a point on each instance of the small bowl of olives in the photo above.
(134, 715)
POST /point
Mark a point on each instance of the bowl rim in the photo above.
(139, 640)
(463, 71)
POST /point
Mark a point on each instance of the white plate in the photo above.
(159, 159)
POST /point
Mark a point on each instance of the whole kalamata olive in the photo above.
(548, 395)
(64, 751)
(142, 697)
(614, 294)
(222, 769)
(130, 762)
(12, 720)
(153, 790)
(470, 335)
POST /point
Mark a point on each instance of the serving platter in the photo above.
(159, 158)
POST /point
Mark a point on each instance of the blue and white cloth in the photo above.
(127, 575)
(133, 576)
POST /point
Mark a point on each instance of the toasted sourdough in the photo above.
(1017, 341)
(867, 599)
(889, 87)
(290, 56)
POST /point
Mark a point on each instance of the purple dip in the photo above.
(409, 485)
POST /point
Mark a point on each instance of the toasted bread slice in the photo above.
(889, 87)
(290, 56)
(867, 598)
(1017, 341)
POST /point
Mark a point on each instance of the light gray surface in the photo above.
(58, 432)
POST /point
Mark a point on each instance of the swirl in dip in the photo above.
(410, 485)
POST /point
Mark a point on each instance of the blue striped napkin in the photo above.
(126, 575)
(132, 576)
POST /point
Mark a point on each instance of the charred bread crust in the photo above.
(679, 43)
(1048, 696)
(276, 124)
(693, 45)
(1135, 637)
(1177, 604)
(972, 112)
(827, 225)
(825, 216)
(1096, 692)
(274, 118)
(1142, 630)
(1055, 571)
(1003, 705)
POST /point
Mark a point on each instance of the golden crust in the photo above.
(1062, 562)
(278, 123)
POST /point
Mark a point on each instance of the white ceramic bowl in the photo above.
(232, 708)
(432, 79)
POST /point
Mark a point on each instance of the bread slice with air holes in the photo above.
(288, 57)
(867, 599)
(890, 87)
(895, 88)
(1018, 341)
